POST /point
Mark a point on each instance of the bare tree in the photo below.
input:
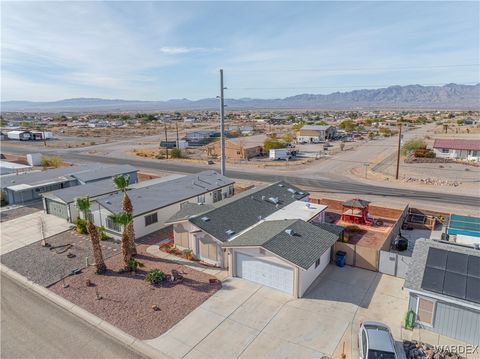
(42, 228)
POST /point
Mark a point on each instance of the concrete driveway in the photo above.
(250, 321)
(22, 231)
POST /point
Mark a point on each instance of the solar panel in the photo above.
(433, 279)
(437, 258)
(473, 289)
(457, 263)
(473, 266)
(455, 284)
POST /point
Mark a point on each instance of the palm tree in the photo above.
(83, 204)
(123, 219)
(121, 183)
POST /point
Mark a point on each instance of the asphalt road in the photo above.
(33, 327)
(323, 185)
(328, 185)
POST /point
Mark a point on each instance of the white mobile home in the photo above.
(157, 201)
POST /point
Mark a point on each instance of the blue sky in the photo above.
(162, 50)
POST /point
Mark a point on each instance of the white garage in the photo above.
(264, 272)
(287, 255)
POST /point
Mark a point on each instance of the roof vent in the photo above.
(200, 203)
(230, 232)
(290, 232)
(308, 205)
(274, 200)
(301, 193)
(259, 218)
(205, 219)
(263, 198)
(277, 205)
(108, 202)
(280, 185)
(291, 190)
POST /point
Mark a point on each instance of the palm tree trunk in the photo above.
(131, 239)
(96, 248)
(125, 247)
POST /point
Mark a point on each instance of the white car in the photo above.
(375, 341)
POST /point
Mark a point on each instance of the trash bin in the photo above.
(340, 258)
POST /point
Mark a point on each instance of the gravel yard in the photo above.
(47, 266)
(127, 299)
(9, 214)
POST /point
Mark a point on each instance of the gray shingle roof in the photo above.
(92, 189)
(89, 172)
(159, 195)
(104, 172)
(188, 210)
(307, 243)
(244, 210)
(418, 263)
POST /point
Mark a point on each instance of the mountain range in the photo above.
(447, 97)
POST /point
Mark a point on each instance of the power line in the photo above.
(353, 69)
(335, 87)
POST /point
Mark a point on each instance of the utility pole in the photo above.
(398, 150)
(222, 126)
(178, 142)
(166, 142)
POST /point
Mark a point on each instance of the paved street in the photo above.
(33, 327)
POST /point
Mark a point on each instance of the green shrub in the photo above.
(81, 225)
(413, 145)
(102, 233)
(53, 161)
(133, 264)
(273, 143)
(155, 276)
(176, 153)
(430, 154)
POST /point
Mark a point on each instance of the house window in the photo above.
(425, 311)
(208, 250)
(201, 198)
(110, 224)
(445, 150)
(317, 263)
(151, 219)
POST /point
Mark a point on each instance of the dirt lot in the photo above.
(127, 299)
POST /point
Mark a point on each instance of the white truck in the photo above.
(281, 154)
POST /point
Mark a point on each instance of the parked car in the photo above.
(375, 341)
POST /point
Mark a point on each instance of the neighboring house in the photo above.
(205, 229)
(157, 200)
(241, 148)
(315, 134)
(199, 137)
(7, 167)
(62, 202)
(458, 149)
(285, 254)
(19, 135)
(443, 283)
(29, 186)
(464, 230)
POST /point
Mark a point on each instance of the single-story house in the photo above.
(240, 148)
(204, 230)
(443, 283)
(459, 149)
(315, 134)
(464, 230)
(285, 254)
(199, 137)
(29, 186)
(62, 202)
(157, 200)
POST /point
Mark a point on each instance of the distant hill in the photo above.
(450, 96)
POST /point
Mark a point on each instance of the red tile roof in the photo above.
(457, 144)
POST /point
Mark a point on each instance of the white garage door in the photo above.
(266, 273)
